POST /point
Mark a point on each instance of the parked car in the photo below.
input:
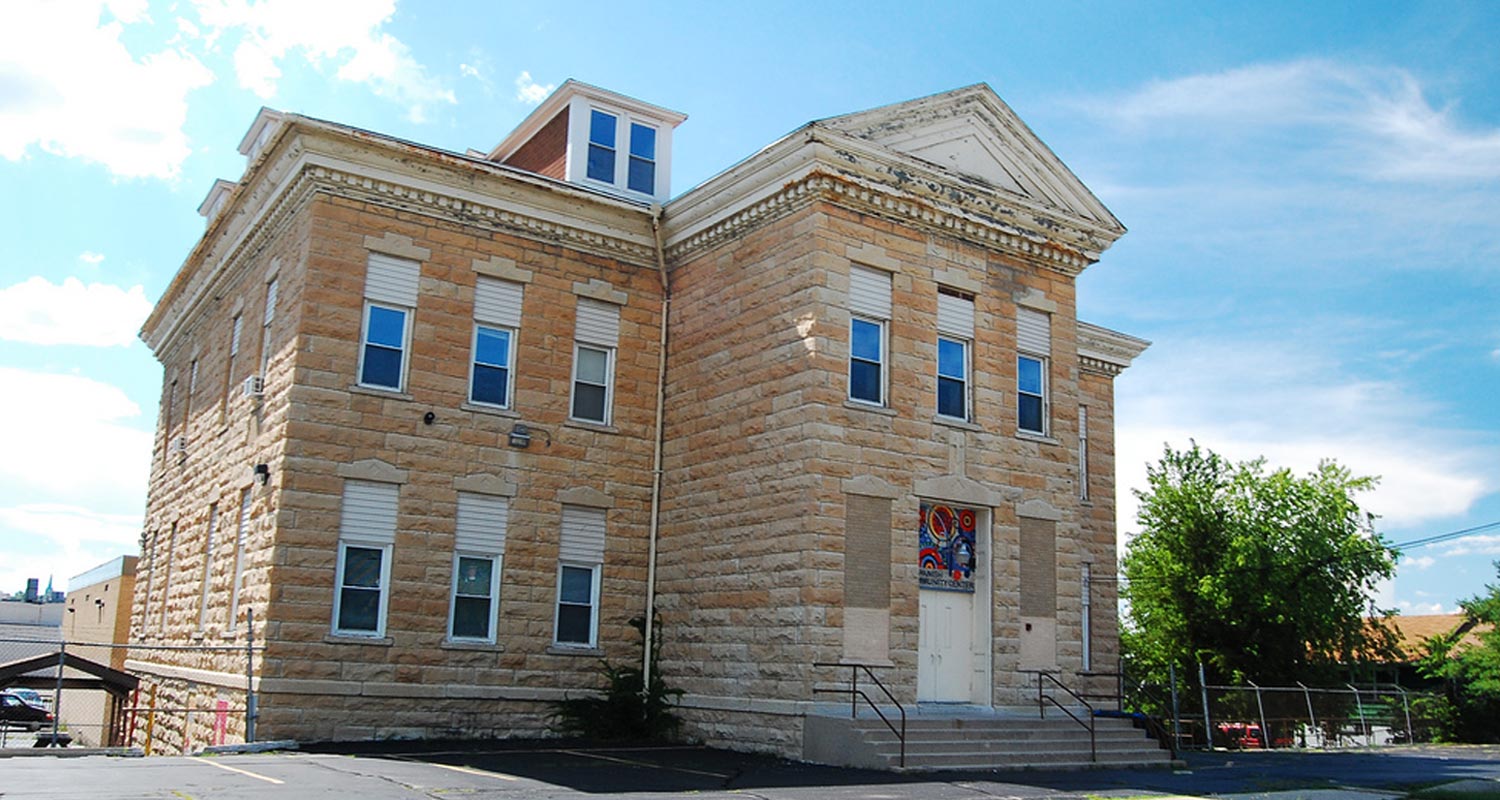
(31, 696)
(16, 711)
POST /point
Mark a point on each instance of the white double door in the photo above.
(945, 647)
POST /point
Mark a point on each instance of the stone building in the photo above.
(445, 423)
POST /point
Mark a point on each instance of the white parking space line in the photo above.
(244, 772)
(472, 771)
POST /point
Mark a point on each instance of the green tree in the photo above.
(1259, 575)
(1470, 673)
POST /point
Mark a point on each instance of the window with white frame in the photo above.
(1083, 453)
(637, 171)
(208, 565)
(367, 532)
(479, 546)
(597, 335)
(1034, 346)
(869, 315)
(265, 326)
(390, 297)
(497, 316)
(166, 582)
(241, 529)
(234, 352)
(580, 564)
(955, 327)
(1087, 621)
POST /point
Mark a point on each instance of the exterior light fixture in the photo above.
(520, 436)
(262, 474)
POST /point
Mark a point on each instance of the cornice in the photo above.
(806, 166)
(1107, 352)
(284, 183)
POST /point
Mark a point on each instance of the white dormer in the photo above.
(260, 133)
(594, 137)
(217, 196)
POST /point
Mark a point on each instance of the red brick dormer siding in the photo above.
(547, 152)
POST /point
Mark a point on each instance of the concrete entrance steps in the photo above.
(988, 743)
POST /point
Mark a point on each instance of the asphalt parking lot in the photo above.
(549, 771)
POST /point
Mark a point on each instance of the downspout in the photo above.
(661, 397)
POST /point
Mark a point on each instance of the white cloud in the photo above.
(1284, 402)
(74, 540)
(1417, 562)
(90, 257)
(469, 71)
(37, 311)
(70, 436)
(529, 91)
(69, 86)
(1480, 544)
(1378, 121)
(343, 32)
(1410, 607)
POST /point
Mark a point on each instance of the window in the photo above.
(1083, 453)
(580, 557)
(597, 333)
(265, 327)
(208, 565)
(1087, 579)
(367, 532)
(360, 607)
(1034, 341)
(953, 360)
(602, 128)
(869, 311)
(390, 295)
(1031, 394)
(642, 172)
(955, 327)
(234, 352)
(239, 560)
(604, 165)
(478, 548)
(187, 403)
(497, 314)
(166, 582)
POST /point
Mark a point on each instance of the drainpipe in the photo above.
(661, 397)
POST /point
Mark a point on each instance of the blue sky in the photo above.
(1312, 192)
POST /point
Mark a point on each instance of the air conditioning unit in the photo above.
(254, 386)
(178, 447)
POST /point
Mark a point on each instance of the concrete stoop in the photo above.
(965, 743)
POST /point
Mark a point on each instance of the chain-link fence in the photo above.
(1274, 717)
(160, 698)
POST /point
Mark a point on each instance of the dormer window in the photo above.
(604, 163)
(590, 136)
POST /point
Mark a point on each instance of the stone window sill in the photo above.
(871, 408)
(334, 638)
(963, 425)
(563, 650)
(371, 391)
(590, 426)
(483, 647)
(494, 411)
(1036, 437)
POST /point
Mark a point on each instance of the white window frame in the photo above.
(267, 318)
(384, 589)
(624, 122)
(1046, 411)
(365, 344)
(242, 526)
(597, 571)
(882, 382)
(1083, 453)
(208, 565)
(495, 560)
(1086, 626)
(510, 366)
(968, 350)
(609, 383)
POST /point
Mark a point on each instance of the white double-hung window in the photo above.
(597, 336)
(579, 564)
(955, 328)
(390, 297)
(478, 548)
(1034, 351)
(636, 171)
(869, 316)
(497, 317)
(367, 532)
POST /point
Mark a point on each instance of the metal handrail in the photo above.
(1042, 699)
(855, 694)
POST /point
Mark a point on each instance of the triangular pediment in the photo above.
(973, 134)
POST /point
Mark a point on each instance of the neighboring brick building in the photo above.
(410, 419)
